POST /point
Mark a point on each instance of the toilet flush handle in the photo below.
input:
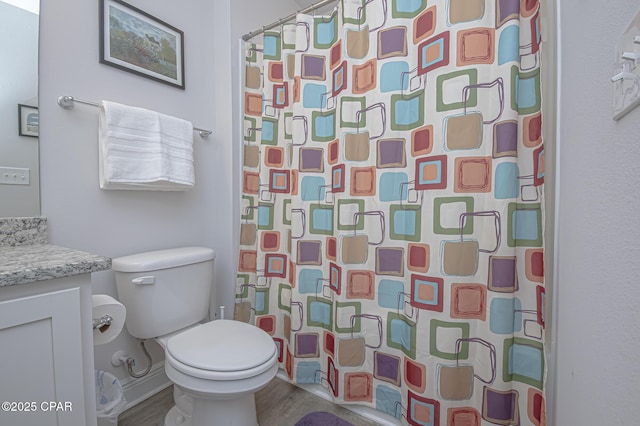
(150, 279)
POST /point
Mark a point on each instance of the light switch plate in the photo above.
(14, 176)
(626, 91)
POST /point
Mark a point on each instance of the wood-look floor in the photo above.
(278, 404)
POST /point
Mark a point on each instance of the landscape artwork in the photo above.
(137, 42)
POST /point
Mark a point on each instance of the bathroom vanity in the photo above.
(46, 340)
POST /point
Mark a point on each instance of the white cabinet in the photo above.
(46, 353)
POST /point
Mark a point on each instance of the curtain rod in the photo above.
(311, 8)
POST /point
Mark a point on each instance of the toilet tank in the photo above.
(165, 290)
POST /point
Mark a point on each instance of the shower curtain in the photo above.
(392, 207)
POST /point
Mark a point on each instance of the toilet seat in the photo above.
(222, 350)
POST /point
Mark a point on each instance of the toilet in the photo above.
(216, 366)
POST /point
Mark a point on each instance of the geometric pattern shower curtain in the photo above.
(392, 207)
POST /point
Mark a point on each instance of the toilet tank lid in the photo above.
(162, 259)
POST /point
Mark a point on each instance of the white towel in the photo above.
(142, 149)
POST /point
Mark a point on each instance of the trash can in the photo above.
(110, 402)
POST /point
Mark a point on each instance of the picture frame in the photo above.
(134, 41)
(28, 121)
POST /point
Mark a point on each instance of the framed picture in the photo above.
(28, 121)
(134, 41)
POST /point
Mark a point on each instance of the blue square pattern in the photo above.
(509, 45)
(308, 372)
(388, 401)
(320, 312)
(404, 222)
(312, 188)
(267, 131)
(525, 225)
(401, 333)
(408, 6)
(525, 361)
(394, 76)
(260, 301)
(270, 45)
(505, 316)
(389, 294)
(507, 183)
(407, 111)
(314, 96)
(324, 126)
(264, 216)
(322, 219)
(308, 281)
(526, 96)
(391, 188)
(326, 32)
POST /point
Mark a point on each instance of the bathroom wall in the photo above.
(598, 340)
(117, 223)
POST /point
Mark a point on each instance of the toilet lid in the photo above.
(222, 345)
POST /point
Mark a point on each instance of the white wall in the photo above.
(117, 223)
(18, 84)
(598, 373)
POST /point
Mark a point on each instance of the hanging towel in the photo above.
(143, 149)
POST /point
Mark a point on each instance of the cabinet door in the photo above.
(41, 360)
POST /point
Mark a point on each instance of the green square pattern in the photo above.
(313, 228)
(265, 292)
(359, 225)
(322, 21)
(411, 353)
(244, 286)
(507, 376)
(473, 92)
(363, 115)
(468, 225)
(281, 289)
(516, 77)
(247, 213)
(355, 21)
(356, 323)
(511, 240)
(286, 211)
(262, 224)
(252, 124)
(396, 99)
(312, 323)
(433, 342)
(417, 235)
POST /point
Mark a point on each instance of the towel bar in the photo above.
(66, 102)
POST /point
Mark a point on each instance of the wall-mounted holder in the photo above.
(626, 79)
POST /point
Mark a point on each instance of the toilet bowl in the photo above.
(216, 366)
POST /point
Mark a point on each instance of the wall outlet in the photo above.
(14, 176)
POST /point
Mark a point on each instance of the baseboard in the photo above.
(376, 416)
(137, 390)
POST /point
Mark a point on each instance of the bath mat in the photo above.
(322, 418)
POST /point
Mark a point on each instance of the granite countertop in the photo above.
(39, 262)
